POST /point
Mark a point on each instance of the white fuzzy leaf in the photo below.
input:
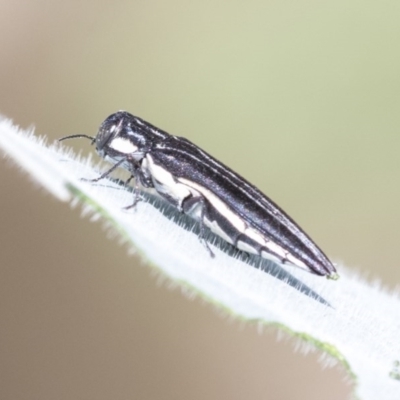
(359, 329)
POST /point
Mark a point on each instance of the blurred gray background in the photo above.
(300, 97)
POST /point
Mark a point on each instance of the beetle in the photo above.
(197, 184)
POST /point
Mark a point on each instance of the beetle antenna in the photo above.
(93, 139)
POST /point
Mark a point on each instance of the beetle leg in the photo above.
(136, 196)
(140, 180)
(127, 182)
(106, 173)
(189, 204)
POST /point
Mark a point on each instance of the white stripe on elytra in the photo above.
(276, 249)
(270, 256)
(181, 188)
(122, 145)
(217, 203)
(164, 181)
(278, 252)
(202, 158)
(245, 188)
(296, 262)
(246, 247)
(155, 131)
(213, 225)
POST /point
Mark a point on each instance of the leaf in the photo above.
(353, 323)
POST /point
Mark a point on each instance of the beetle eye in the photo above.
(107, 131)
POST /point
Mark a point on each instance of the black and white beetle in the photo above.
(205, 189)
